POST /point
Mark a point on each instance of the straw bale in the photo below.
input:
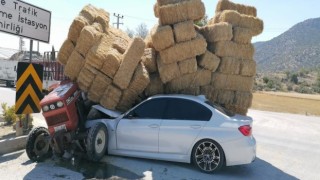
(167, 71)
(224, 96)
(111, 97)
(237, 109)
(111, 63)
(208, 91)
(242, 35)
(127, 100)
(97, 54)
(155, 86)
(217, 32)
(86, 77)
(240, 20)
(88, 37)
(243, 99)
(215, 19)
(180, 83)
(140, 79)
(120, 44)
(242, 9)
(97, 27)
(89, 12)
(74, 65)
(209, 61)
(232, 49)
(75, 29)
(184, 50)
(202, 78)
(229, 65)
(188, 66)
(166, 2)
(131, 58)
(103, 18)
(98, 87)
(156, 9)
(184, 31)
(162, 37)
(232, 82)
(191, 91)
(65, 51)
(184, 11)
(120, 34)
(148, 41)
(149, 59)
(248, 68)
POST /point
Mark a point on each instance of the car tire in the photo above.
(97, 142)
(208, 156)
(38, 144)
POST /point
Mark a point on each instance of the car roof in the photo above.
(200, 98)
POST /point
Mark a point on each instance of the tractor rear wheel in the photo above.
(97, 142)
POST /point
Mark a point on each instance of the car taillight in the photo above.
(245, 130)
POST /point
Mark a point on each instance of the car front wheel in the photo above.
(208, 156)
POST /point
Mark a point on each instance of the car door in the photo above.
(183, 122)
(139, 129)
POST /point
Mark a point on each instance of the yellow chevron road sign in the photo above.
(28, 88)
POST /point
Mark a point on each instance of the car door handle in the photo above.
(153, 126)
(195, 126)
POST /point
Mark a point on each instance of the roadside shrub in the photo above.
(294, 78)
(289, 88)
(265, 80)
(8, 112)
(304, 90)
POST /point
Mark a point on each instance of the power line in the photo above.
(118, 19)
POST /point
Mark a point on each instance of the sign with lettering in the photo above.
(26, 20)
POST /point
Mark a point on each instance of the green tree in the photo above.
(202, 22)
(294, 78)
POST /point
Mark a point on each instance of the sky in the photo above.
(278, 16)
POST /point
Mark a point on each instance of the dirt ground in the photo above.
(6, 131)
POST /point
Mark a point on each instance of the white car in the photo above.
(177, 128)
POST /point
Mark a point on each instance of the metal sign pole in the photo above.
(30, 61)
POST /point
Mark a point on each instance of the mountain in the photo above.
(297, 48)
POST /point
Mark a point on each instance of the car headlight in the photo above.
(45, 108)
(60, 104)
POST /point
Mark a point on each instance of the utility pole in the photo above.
(118, 16)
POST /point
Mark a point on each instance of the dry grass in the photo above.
(287, 102)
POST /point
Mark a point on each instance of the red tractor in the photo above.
(65, 110)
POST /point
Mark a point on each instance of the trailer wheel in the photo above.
(38, 144)
(97, 142)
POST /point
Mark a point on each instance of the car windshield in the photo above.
(220, 108)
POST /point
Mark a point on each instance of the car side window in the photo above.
(185, 109)
(151, 109)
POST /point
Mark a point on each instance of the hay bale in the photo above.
(184, 11)
(131, 58)
(167, 72)
(248, 68)
(98, 87)
(148, 41)
(156, 9)
(127, 100)
(65, 51)
(202, 78)
(191, 91)
(232, 49)
(209, 61)
(217, 32)
(86, 77)
(208, 91)
(88, 37)
(224, 96)
(149, 59)
(237, 109)
(240, 20)
(118, 33)
(74, 65)
(155, 86)
(140, 79)
(214, 19)
(111, 97)
(229, 65)
(76, 27)
(162, 37)
(103, 18)
(243, 99)
(166, 2)
(242, 9)
(232, 82)
(89, 12)
(184, 31)
(184, 50)
(120, 44)
(242, 35)
(188, 66)
(111, 63)
(97, 54)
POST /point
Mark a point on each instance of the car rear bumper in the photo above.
(241, 151)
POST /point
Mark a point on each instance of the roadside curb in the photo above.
(12, 144)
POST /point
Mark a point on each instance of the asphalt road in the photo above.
(287, 148)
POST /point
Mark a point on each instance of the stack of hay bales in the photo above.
(176, 57)
(104, 61)
(229, 36)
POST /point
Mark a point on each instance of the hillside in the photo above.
(297, 48)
